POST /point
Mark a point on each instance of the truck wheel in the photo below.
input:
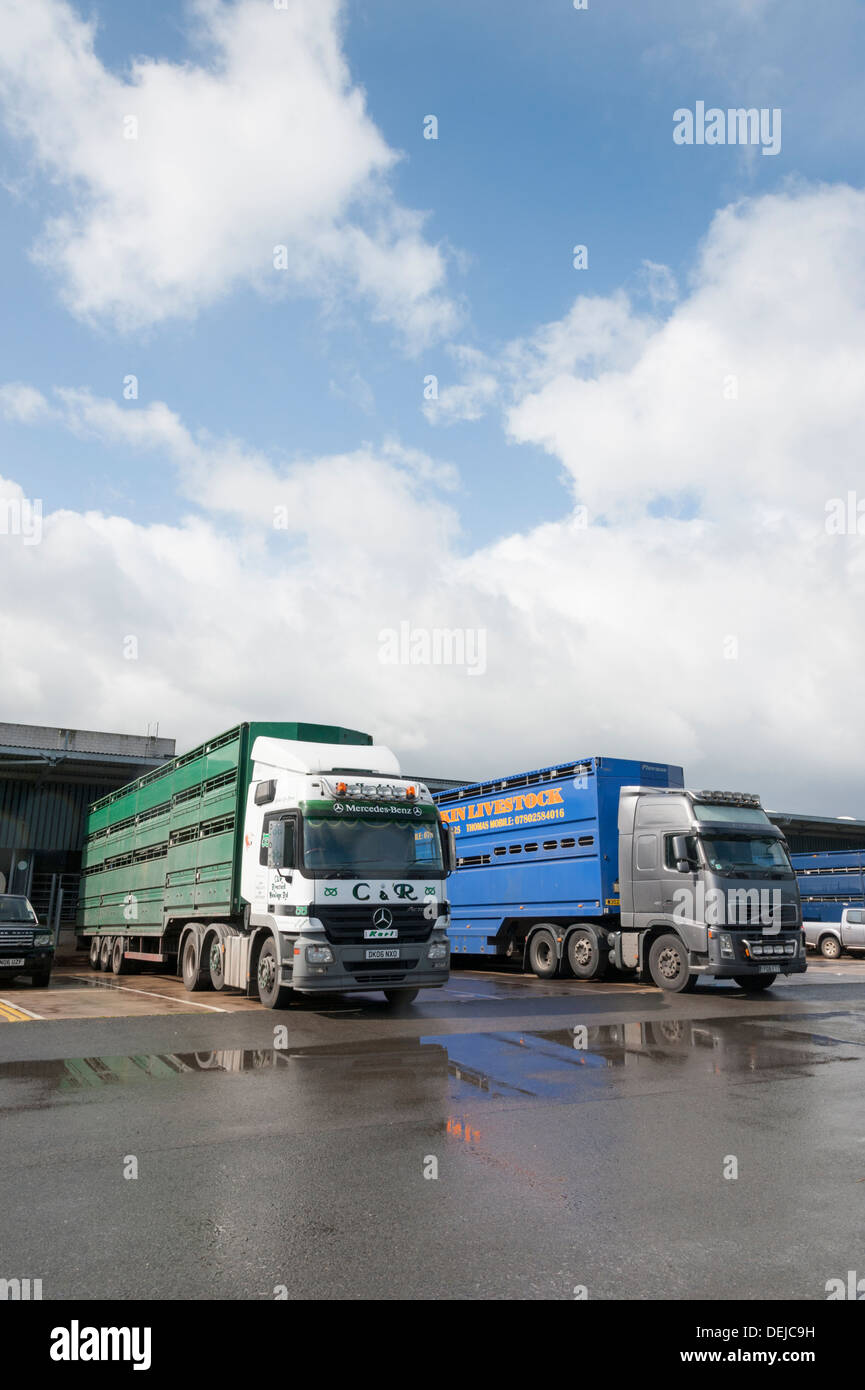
(95, 949)
(272, 994)
(543, 957)
(105, 953)
(119, 963)
(585, 956)
(668, 965)
(193, 978)
(755, 984)
(217, 966)
(401, 998)
(830, 947)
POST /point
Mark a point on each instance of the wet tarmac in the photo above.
(505, 1138)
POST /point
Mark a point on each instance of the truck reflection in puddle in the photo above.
(360, 1064)
(562, 1064)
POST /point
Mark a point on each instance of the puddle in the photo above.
(556, 1064)
(362, 1062)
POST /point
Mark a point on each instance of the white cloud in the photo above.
(22, 403)
(615, 638)
(469, 398)
(659, 282)
(264, 142)
(775, 316)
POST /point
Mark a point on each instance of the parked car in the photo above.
(832, 939)
(26, 948)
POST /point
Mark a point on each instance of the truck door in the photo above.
(646, 877)
(278, 879)
(674, 881)
(853, 928)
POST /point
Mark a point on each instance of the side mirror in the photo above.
(449, 846)
(680, 854)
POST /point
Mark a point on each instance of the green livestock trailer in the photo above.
(172, 839)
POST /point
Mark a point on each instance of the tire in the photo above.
(587, 959)
(543, 956)
(119, 965)
(193, 978)
(755, 984)
(105, 953)
(668, 965)
(272, 994)
(41, 979)
(95, 949)
(216, 962)
(830, 948)
(401, 998)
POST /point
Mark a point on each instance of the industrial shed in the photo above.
(48, 777)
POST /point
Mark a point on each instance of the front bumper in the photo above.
(351, 971)
(752, 954)
(35, 959)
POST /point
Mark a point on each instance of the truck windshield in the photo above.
(363, 847)
(756, 856)
(16, 910)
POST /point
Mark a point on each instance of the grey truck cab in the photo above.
(706, 888)
(25, 947)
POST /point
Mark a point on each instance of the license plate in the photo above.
(382, 955)
(19, 960)
(767, 969)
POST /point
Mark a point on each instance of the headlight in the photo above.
(43, 939)
(319, 955)
(438, 950)
(726, 943)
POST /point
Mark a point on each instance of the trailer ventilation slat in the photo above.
(144, 856)
(227, 779)
(188, 794)
(183, 836)
(217, 827)
(523, 779)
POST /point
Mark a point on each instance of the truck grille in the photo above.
(344, 924)
(13, 938)
(379, 967)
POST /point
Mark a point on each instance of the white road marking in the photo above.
(172, 999)
(20, 1008)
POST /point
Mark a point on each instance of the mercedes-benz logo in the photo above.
(382, 918)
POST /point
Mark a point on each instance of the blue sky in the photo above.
(555, 128)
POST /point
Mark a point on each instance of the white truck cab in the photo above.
(344, 864)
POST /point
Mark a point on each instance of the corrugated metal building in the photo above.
(48, 777)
